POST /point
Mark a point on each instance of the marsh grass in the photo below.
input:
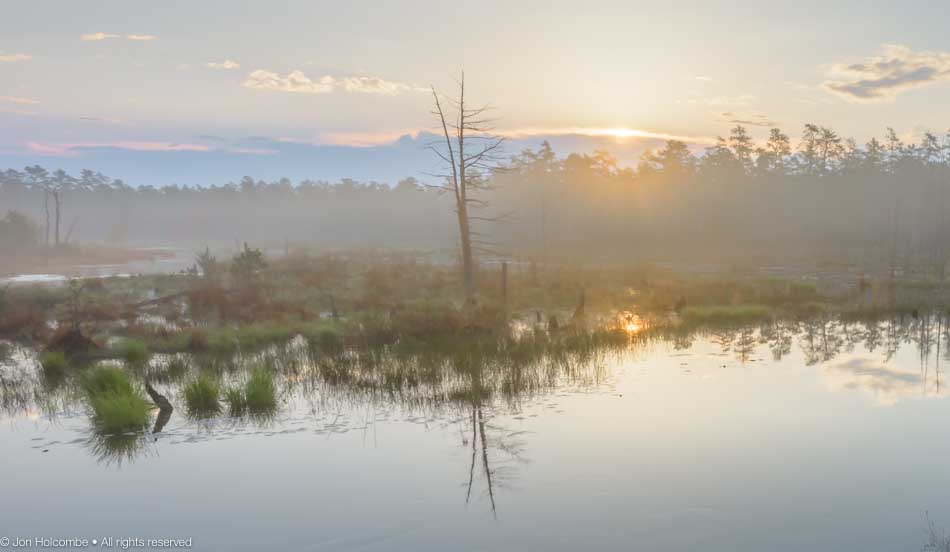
(175, 369)
(937, 539)
(257, 397)
(237, 404)
(202, 397)
(54, 364)
(117, 405)
(260, 392)
(132, 350)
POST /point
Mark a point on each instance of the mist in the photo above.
(495, 276)
(819, 195)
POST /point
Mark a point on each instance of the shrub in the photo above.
(247, 266)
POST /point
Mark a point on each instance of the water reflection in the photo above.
(472, 378)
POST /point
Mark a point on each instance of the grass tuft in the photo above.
(260, 392)
(258, 396)
(201, 397)
(237, 404)
(54, 364)
(134, 351)
(117, 405)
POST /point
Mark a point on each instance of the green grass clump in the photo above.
(257, 397)
(201, 397)
(175, 370)
(260, 392)
(132, 350)
(237, 404)
(54, 363)
(725, 314)
(117, 405)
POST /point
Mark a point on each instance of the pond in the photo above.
(157, 260)
(809, 435)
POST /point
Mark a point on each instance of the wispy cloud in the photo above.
(97, 36)
(19, 100)
(14, 58)
(883, 77)
(297, 81)
(362, 139)
(92, 119)
(226, 64)
(888, 384)
(73, 149)
(751, 118)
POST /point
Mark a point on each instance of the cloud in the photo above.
(96, 37)
(226, 64)
(72, 149)
(883, 77)
(14, 58)
(362, 139)
(297, 81)
(886, 383)
(92, 119)
(752, 118)
(18, 100)
(374, 85)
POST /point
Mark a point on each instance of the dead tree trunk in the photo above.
(463, 159)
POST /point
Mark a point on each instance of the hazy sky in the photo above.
(192, 75)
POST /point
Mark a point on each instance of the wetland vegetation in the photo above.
(746, 338)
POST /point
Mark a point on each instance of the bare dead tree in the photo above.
(471, 150)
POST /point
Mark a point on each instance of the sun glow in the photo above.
(603, 132)
(629, 322)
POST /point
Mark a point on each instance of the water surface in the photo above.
(809, 436)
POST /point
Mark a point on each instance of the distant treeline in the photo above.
(885, 202)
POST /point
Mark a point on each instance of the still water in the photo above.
(826, 436)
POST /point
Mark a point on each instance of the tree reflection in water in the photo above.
(471, 379)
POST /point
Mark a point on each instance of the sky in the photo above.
(201, 91)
